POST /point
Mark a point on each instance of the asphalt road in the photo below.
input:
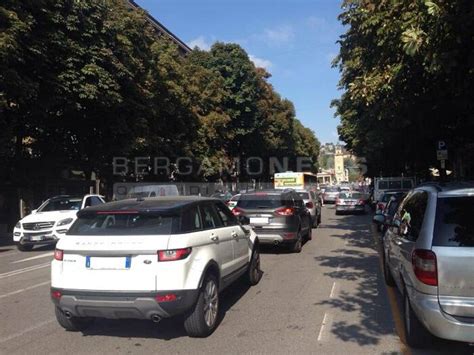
(330, 299)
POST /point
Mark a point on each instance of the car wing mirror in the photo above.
(34, 211)
(379, 219)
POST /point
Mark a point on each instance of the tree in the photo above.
(407, 81)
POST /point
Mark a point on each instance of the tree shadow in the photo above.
(166, 329)
(367, 303)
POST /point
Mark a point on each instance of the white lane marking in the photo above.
(326, 324)
(25, 289)
(45, 255)
(27, 330)
(21, 271)
(333, 290)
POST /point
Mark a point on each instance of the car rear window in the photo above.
(123, 224)
(454, 226)
(260, 201)
(304, 195)
(349, 195)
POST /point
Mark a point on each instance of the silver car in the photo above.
(331, 193)
(429, 255)
(313, 204)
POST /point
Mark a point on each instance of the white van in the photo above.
(143, 190)
(381, 185)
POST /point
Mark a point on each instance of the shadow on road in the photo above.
(370, 315)
(167, 329)
(358, 265)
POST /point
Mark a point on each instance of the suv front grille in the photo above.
(37, 226)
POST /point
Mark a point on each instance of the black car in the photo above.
(277, 216)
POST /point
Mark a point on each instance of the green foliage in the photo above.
(407, 76)
(83, 81)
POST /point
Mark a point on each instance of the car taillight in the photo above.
(56, 294)
(173, 255)
(285, 211)
(309, 205)
(380, 206)
(237, 211)
(361, 202)
(424, 266)
(170, 297)
(58, 254)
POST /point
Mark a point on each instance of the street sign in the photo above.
(442, 145)
(442, 154)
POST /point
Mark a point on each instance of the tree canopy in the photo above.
(407, 70)
(84, 81)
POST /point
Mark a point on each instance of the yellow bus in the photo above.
(295, 180)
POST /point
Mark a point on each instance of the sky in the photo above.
(295, 40)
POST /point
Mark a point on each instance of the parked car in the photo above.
(385, 198)
(331, 193)
(277, 216)
(51, 220)
(384, 184)
(385, 218)
(313, 204)
(428, 255)
(350, 202)
(233, 202)
(151, 259)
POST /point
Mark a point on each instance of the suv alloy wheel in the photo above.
(202, 320)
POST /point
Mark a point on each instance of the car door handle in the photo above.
(214, 238)
(234, 235)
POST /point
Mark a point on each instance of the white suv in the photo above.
(151, 259)
(51, 220)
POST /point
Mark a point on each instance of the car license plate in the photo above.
(258, 220)
(108, 263)
(36, 238)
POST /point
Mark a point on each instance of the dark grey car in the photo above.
(277, 216)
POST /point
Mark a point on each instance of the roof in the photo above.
(148, 204)
(451, 188)
(162, 29)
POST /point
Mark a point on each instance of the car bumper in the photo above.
(124, 305)
(276, 236)
(438, 322)
(354, 208)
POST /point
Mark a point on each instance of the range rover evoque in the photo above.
(151, 259)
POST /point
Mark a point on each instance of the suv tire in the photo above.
(254, 273)
(416, 334)
(73, 324)
(309, 235)
(297, 245)
(24, 247)
(201, 321)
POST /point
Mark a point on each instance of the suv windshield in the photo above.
(123, 224)
(454, 226)
(260, 201)
(61, 204)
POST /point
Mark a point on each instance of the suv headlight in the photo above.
(64, 222)
(18, 225)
